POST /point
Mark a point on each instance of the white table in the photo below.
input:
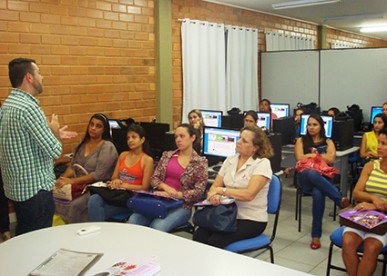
(341, 163)
(120, 241)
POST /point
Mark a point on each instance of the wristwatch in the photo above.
(224, 190)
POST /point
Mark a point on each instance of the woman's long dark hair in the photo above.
(106, 130)
(307, 140)
(383, 117)
(141, 132)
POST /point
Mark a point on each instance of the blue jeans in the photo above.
(99, 210)
(311, 182)
(34, 213)
(175, 217)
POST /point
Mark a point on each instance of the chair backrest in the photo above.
(274, 195)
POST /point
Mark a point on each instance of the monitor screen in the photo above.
(263, 119)
(114, 124)
(220, 142)
(328, 123)
(212, 118)
(281, 110)
(374, 111)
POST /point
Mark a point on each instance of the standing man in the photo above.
(28, 145)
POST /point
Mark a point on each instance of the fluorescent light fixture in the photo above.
(302, 3)
(354, 16)
(374, 29)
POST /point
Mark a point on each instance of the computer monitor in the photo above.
(281, 110)
(155, 134)
(114, 124)
(328, 123)
(264, 119)
(374, 111)
(212, 118)
(220, 142)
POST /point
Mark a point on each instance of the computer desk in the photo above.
(341, 163)
(120, 241)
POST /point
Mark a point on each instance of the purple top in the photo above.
(173, 173)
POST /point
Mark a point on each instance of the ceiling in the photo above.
(350, 14)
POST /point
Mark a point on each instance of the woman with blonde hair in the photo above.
(245, 177)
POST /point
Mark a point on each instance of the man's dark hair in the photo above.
(18, 68)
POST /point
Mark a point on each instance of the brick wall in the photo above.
(199, 10)
(95, 56)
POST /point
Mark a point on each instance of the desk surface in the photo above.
(120, 241)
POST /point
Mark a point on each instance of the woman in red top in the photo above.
(133, 171)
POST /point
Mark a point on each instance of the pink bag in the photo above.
(317, 164)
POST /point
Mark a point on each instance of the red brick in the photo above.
(30, 38)
(30, 17)
(18, 5)
(9, 15)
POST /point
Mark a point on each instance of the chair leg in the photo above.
(299, 211)
(271, 255)
(329, 259)
(334, 211)
(384, 265)
(296, 211)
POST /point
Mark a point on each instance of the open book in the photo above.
(66, 262)
(133, 267)
(224, 200)
(367, 220)
(154, 194)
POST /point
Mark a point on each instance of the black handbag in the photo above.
(221, 218)
(114, 197)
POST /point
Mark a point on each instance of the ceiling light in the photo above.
(374, 29)
(354, 16)
(302, 3)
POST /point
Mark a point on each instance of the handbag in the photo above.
(71, 191)
(116, 197)
(318, 164)
(152, 206)
(221, 218)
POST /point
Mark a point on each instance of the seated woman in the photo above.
(97, 155)
(310, 181)
(369, 142)
(250, 118)
(264, 106)
(195, 118)
(181, 174)
(245, 177)
(333, 111)
(384, 109)
(133, 171)
(371, 192)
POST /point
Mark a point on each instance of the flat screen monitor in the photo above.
(212, 118)
(114, 124)
(281, 110)
(263, 119)
(220, 142)
(328, 123)
(374, 111)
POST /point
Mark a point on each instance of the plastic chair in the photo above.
(337, 240)
(263, 241)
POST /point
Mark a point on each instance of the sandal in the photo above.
(344, 202)
(315, 245)
(6, 236)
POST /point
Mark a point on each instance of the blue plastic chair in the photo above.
(263, 241)
(337, 240)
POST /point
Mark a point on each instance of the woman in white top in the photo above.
(245, 177)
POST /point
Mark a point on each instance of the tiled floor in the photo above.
(291, 248)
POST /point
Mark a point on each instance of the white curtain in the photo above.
(242, 68)
(204, 66)
(281, 42)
